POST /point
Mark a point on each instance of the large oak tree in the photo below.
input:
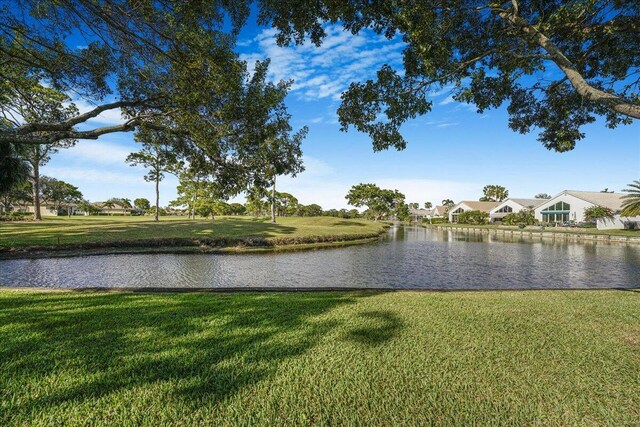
(556, 64)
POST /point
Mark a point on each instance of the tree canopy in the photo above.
(58, 193)
(557, 65)
(143, 59)
(380, 202)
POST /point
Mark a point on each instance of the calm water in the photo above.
(407, 258)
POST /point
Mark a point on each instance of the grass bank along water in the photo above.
(324, 358)
(140, 234)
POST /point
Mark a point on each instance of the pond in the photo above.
(407, 258)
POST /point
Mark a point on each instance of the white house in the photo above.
(438, 212)
(49, 209)
(619, 222)
(469, 205)
(418, 214)
(513, 206)
(570, 205)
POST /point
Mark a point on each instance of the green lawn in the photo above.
(79, 230)
(324, 358)
(575, 230)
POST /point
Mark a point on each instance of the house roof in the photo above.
(608, 200)
(116, 206)
(477, 206)
(528, 202)
(439, 210)
(419, 211)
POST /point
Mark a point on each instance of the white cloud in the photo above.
(446, 125)
(432, 190)
(316, 167)
(100, 151)
(325, 71)
(76, 175)
(448, 100)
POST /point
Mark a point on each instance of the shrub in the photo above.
(595, 213)
(15, 216)
(473, 217)
(525, 216)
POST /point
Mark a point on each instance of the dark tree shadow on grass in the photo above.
(380, 327)
(213, 345)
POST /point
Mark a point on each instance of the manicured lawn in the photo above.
(353, 358)
(575, 230)
(77, 230)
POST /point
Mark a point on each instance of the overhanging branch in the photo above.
(582, 87)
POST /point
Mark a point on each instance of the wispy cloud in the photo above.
(99, 152)
(448, 100)
(325, 71)
(432, 190)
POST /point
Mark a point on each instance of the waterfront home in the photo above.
(569, 206)
(470, 205)
(419, 214)
(512, 206)
(438, 212)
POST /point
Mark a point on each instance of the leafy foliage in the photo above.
(309, 210)
(523, 217)
(448, 204)
(631, 204)
(59, 193)
(556, 64)
(13, 169)
(473, 217)
(232, 125)
(595, 213)
(17, 196)
(142, 203)
(380, 202)
(494, 193)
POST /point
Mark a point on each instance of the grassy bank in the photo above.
(546, 229)
(351, 358)
(140, 232)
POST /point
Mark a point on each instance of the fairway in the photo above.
(67, 232)
(352, 358)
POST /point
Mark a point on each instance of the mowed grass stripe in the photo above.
(79, 230)
(352, 358)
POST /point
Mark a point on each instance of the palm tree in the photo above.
(448, 204)
(126, 205)
(631, 204)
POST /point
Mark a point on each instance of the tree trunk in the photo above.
(273, 201)
(35, 184)
(195, 198)
(155, 218)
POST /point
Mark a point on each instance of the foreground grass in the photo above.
(575, 230)
(353, 358)
(81, 230)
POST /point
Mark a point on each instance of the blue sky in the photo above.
(452, 152)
